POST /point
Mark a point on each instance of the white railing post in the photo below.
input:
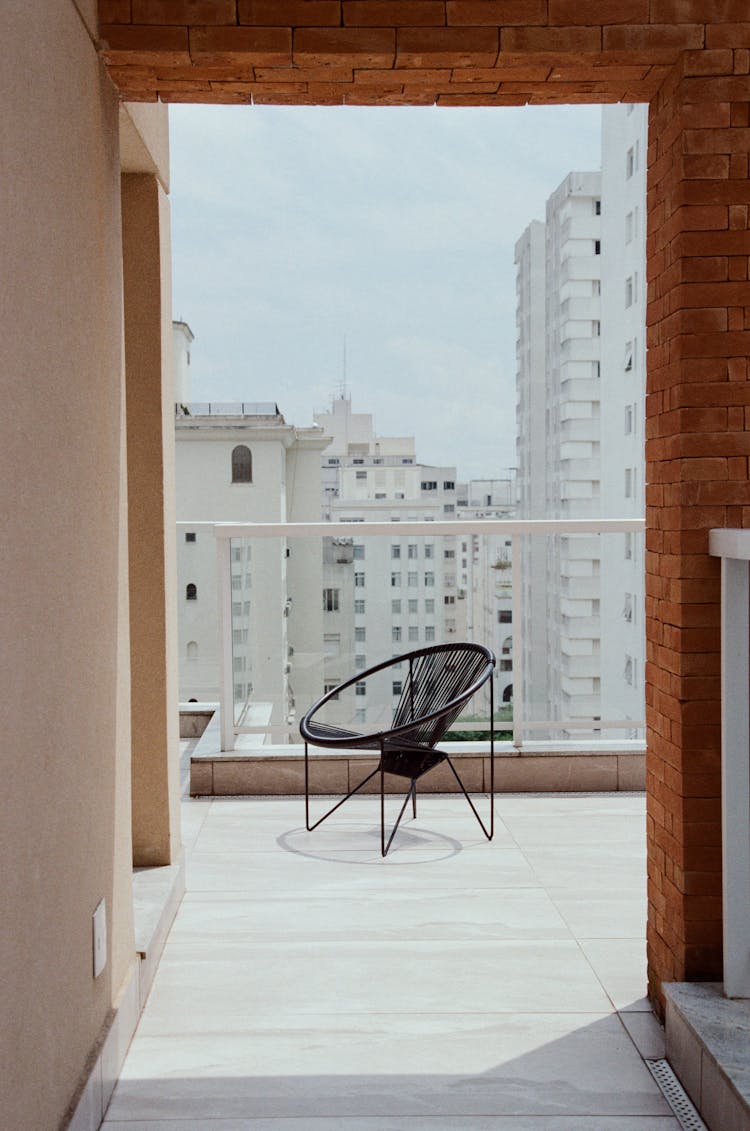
(226, 672)
(516, 577)
(735, 775)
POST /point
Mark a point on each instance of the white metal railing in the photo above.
(511, 529)
(733, 547)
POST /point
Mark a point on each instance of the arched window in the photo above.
(242, 464)
(508, 694)
(192, 650)
(507, 645)
(191, 592)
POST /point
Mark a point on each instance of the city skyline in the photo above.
(389, 230)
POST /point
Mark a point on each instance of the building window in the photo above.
(236, 608)
(413, 633)
(395, 606)
(429, 632)
(190, 536)
(358, 461)
(359, 605)
(449, 485)
(629, 416)
(236, 553)
(504, 616)
(395, 551)
(242, 464)
(597, 207)
(597, 247)
(629, 163)
(380, 494)
(359, 581)
(333, 461)
(328, 688)
(429, 484)
(506, 665)
(331, 643)
(507, 646)
(629, 354)
(192, 650)
(413, 605)
(412, 550)
(629, 291)
(629, 228)
(359, 662)
(360, 634)
(629, 673)
(449, 508)
(330, 600)
(429, 579)
(596, 329)
(412, 579)
(628, 608)
(358, 552)
(629, 482)
(396, 580)
(361, 474)
(449, 553)
(429, 551)
(360, 688)
(191, 592)
(236, 583)
(396, 633)
(449, 600)
(396, 686)
(629, 547)
(429, 605)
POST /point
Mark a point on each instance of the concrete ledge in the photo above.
(708, 1046)
(544, 767)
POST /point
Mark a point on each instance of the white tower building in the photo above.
(588, 605)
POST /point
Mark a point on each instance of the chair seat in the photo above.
(401, 757)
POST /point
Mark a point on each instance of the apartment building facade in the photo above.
(580, 293)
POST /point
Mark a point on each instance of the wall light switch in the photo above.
(99, 937)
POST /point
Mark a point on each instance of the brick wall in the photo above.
(697, 447)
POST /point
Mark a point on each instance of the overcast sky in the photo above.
(295, 228)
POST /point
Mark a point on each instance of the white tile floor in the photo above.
(307, 985)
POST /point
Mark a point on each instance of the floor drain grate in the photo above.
(675, 1095)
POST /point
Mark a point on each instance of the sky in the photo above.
(313, 244)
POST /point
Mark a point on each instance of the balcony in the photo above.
(305, 984)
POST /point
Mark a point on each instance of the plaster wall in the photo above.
(64, 813)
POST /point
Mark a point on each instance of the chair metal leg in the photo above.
(338, 804)
(414, 799)
(384, 847)
(489, 834)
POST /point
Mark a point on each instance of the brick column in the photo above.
(698, 407)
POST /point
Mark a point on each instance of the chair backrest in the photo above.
(435, 678)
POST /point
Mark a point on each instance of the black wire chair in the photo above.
(439, 683)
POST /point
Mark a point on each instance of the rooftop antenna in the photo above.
(342, 389)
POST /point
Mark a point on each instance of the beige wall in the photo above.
(153, 611)
(65, 837)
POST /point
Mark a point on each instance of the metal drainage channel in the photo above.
(675, 1095)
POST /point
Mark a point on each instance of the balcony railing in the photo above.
(273, 633)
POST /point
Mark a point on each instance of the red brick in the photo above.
(636, 37)
(308, 74)
(496, 13)
(551, 40)
(393, 13)
(183, 12)
(371, 47)
(114, 12)
(738, 166)
(264, 46)
(289, 13)
(719, 62)
(149, 45)
(733, 140)
(593, 12)
(440, 77)
(446, 47)
(690, 11)
(739, 114)
(729, 35)
(706, 115)
(742, 61)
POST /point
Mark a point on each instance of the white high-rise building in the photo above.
(580, 369)
(244, 463)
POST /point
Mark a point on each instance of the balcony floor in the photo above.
(309, 986)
